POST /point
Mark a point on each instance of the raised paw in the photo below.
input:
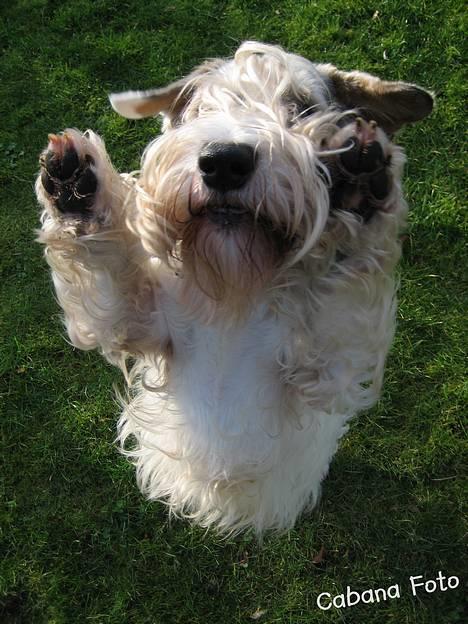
(67, 175)
(359, 167)
(366, 153)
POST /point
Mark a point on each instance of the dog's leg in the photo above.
(361, 175)
(100, 272)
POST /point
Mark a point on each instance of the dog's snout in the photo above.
(226, 166)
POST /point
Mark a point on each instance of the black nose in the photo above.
(226, 166)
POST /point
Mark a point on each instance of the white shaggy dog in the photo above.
(246, 273)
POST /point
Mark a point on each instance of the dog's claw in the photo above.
(67, 177)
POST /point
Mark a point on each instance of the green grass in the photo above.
(78, 542)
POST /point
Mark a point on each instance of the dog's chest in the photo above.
(228, 375)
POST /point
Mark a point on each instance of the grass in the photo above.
(79, 543)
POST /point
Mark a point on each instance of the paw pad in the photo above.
(67, 177)
(361, 177)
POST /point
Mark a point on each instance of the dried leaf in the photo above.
(257, 614)
(320, 556)
(244, 560)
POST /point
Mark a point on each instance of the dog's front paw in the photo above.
(366, 153)
(67, 175)
(360, 168)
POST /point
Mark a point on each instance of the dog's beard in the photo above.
(229, 255)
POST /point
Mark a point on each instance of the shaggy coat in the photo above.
(251, 323)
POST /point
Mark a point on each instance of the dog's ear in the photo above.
(391, 104)
(140, 104)
(169, 100)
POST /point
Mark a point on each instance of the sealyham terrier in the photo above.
(243, 279)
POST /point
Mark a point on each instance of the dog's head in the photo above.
(234, 188)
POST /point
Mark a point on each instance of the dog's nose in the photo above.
(226, 166)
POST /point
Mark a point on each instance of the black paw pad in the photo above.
(86, 183)
(69, 180)
(362, 158)
(379, 184)
(47, 182)
(361, 175)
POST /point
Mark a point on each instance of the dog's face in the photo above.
(235, 187)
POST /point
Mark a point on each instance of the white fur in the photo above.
(235, 406)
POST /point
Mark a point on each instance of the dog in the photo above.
(243, 279)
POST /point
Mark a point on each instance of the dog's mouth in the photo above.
(236, 218)
(234, 221)
(227, 215)
(230, 250)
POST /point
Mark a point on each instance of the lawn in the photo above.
(78, 543)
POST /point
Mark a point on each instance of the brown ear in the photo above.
(391, 104)
(170, 99)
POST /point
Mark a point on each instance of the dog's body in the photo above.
(247, 272)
